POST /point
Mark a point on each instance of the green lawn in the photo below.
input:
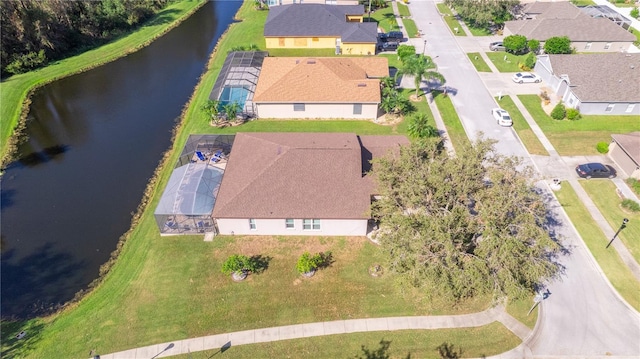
(411, 27)
(583, 2)
(603, 194)
(508, 65)
(530, 140)
(385, 18)
(616, 271)
(479, 342)
(451, 21)
(573, 138)
(636, 33)
(479, 31)
(16, 88)
(403, 10)
(478, 62)
(451, 120)
(519, 310)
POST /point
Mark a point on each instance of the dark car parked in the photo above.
(595, 170)
(388, 46)
(391, 36)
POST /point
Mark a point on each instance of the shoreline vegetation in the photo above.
(169, 289)
(17, 90)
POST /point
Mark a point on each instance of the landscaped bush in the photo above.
(534, 45)
(515, 44)
(602, 147)
(558, 45)
(635, 13)
(308, 263)
(573, 114)
(631, 205)
(530, 61)
(635, 185)
(558, 112)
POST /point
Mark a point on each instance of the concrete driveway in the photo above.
(583, 316)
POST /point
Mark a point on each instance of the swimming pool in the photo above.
(231, 94)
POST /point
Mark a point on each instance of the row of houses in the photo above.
(288, 183)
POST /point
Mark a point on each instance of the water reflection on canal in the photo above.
(94, 142)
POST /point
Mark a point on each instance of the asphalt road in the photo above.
(583, 315)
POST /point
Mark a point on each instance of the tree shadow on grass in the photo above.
(260, 262)
(12, 347)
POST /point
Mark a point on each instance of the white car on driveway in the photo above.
(522, 77)
(502, 117)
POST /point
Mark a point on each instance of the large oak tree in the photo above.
(464, 225)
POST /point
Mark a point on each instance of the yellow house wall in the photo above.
(358, 49)
(296, 43)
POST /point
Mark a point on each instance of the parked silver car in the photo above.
(497, 46)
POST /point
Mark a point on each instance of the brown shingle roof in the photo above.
(630, 143)
(322, 79)
(298, 175)
(564, 19)
(611, 77)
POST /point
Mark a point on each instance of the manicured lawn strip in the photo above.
(450, 20)
(574, 138)
(603, 194)
(616, 271)
(478, 62)
(15, 89)
(411, 27)
(530, 140)
(479, 31)
(394, 61)
(636, 33)
(403, 10)
(582, 2)
(272, 125)
(479, 342)
(519, 309)
(451, 120)
(385, 18)
(510, 65)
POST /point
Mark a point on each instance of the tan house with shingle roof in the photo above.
(624, 150)
(543, 20)
(299, 183)
(596, 84)
(323, 87)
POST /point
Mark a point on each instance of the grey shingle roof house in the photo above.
(625, 152)
(308, 20)
(542, 20)
(606, 83)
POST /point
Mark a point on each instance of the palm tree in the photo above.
(211, 110)
(232, 110)
(421, 68)
(419, 127)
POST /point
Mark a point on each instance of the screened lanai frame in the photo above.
(605, 11)
(238, 79)
(188, 199)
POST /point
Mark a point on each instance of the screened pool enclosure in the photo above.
(238, 78)
(188, 199)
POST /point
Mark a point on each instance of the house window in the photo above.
(607, 46)
(281, 41)
(587, 46)
(609, 107)
(571, 101)
(288, 223)
(311, 224)
(252, 224)
(300, 41)
(357, 109)
(630, 107)
(315, 39)
(298, 107)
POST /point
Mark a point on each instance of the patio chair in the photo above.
(201, 156)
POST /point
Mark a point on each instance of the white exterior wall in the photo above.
(600, 108)
(600, 46)
(328, 227)
(316, 110)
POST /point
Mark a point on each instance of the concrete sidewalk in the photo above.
(228, 340)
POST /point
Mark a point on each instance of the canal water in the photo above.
(94, 140)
